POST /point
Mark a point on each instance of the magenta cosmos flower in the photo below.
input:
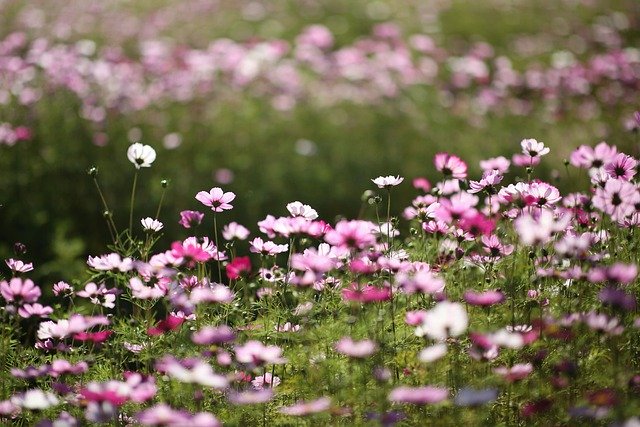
(622, 167)
(483, 299)
(216, 199)
(352, 234)
(450, 166)
(190, 219)
(418, 395)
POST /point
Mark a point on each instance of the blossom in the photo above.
(588, 158)
(35, 399)
(259, 382)
(18, 266)
(189, 253)
(216, 199)
(432, 353)
(190, 219)
(515, 373)
(488, 182)
(213, 335)
(306, 408)
(297, 209)
(111, 261)
(357, 349)
(171, 323)
(237, 267)
(66, 327)
(450, 166)
(387, 181)
(446, 319)
(150, 224)
(483, 299)
(500, 163)
(163, 415)
(533, 149)
(616, 198)
(251, 397)
(256, 353)
(418, 395)
(364, 294)
(421, 281)
(539, 229)
(233, 230)
(259, 246)
(191, 371)
(62, 288)
(621, 167)
(18, 290)
(141, 155)
(352, 234)
(34, 310)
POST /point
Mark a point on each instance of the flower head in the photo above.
(190, 219)
(141, 155)
(533, 149)
(387, 181)
(216, 199)
(150, 224)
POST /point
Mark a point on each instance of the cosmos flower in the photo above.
(216, 199)
(141, 155)
(387, 181)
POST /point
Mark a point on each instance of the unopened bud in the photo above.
(92, 171)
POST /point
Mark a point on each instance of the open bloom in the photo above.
(357, 349)
(306, 408)
(18, 266)
(150, 224)
(533, 149)
(451, 166)
(447, 319)
(418, 395)
(19, 290)
(141, 155)
(216, 199)
(305, 211)
(190, 219)
(387, 181)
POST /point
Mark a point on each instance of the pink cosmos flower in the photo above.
(421, 281)
(150, 224)
(432, 353)
(533, 149)
(251, 397)
(415, 317)
(501, 164)
(34, 310)
(190, 219)
(387, 181)
(256, 353)
(141, 291)
(421, 183)
(615, 197)
(61, 367)
(216, 199)
(588, 158)
(233, 230)
(213, 335)
(66, 327)
(515, 373)
(539, 229)
(62, 288)
(214, 292)
(450, 166)
(618, 273)
(352, 234)
(483, 299)
(190, 254)
(111, 261)
(20, 291)
(306, 408)
(265, 381)
(95, 337)
(163, 415)
(621, 167)
(356, 349)
(488, 182)
(297, 209)
(524, 160)
(418, 395)
(35, 399)
(18, 266)
(492, 246)
(191, 371)
(365, 294)
(269, 248)
(477, 225)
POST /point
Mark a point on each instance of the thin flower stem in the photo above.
(133, 197)
(109, 218)
(215, 236)
(164, 190)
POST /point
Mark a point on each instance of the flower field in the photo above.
(365, 213)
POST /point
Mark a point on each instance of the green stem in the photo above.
(215, 236)
(109, 218)
(133, 197)
(164, 190)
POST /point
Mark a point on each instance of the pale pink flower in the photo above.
(265, 381)
(446, 319)
(35, 399)
(216, 199)
(297, 209)
(150, 224)
(621, 167)
(191, 371)
(233, 230)
(213, 335)
(111, 261)
(432, 353)
(387, 181)
(306, 408)
(488, 182)
(533, 148)
(352, 234)
(500, 163)
(141, 155)
(418, 395)
(20, 291)
(259, 246)
(588, 157)
(18, 266)
(539, 229)
(34, 310)
(62, 288)
(450, 166)
(357, 349)
(256, 353)
(515, 373)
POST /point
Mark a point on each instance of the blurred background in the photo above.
(287, 100)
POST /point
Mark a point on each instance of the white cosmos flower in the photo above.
(387, 181)
(35, 399)
(447, 319)
(141, 155)
(150, 224)
(298, 209)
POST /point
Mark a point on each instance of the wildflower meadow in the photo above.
(234, 223)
